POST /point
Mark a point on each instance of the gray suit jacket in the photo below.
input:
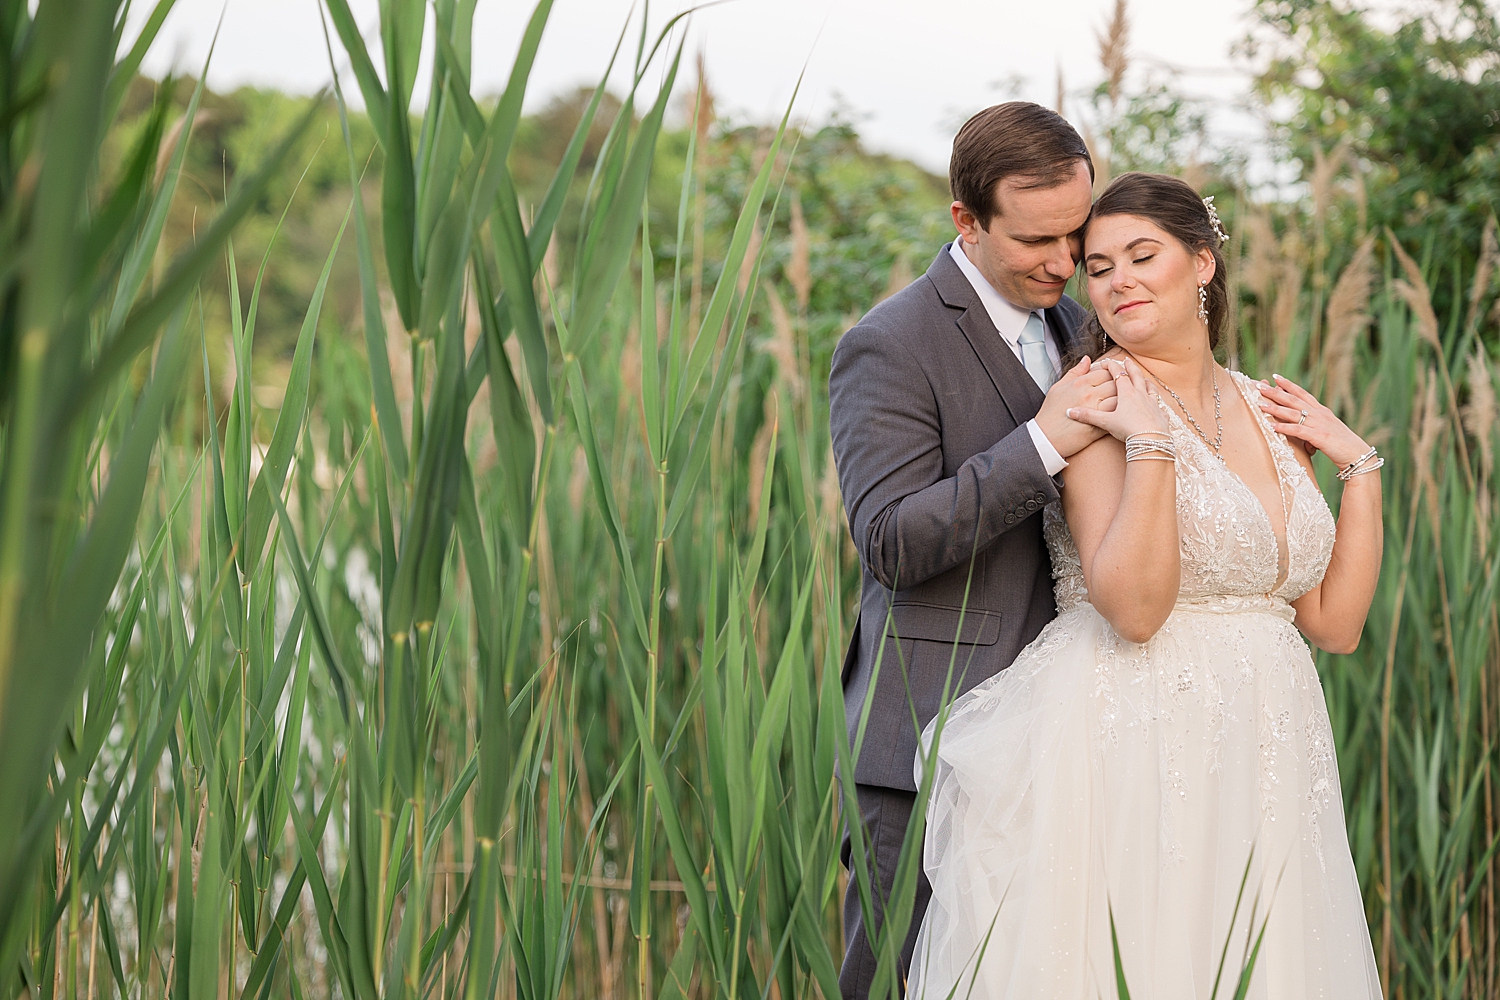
(941, 483)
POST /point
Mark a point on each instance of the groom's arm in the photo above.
(908, 520)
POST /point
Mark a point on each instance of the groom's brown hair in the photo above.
(1014, 139)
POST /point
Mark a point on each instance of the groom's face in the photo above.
(1032, 244)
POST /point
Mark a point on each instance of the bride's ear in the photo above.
(1206, 264)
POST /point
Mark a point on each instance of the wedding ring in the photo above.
(1303, 419)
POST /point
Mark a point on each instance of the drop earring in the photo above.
(1203, 302)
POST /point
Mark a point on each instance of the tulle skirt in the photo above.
(1186, 787)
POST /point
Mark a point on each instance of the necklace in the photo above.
(1217, 443)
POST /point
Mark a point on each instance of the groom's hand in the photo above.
(1079, 387)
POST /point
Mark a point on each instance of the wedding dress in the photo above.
(1098, 776)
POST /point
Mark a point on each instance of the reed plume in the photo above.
(760, 456)
(1260, 267)
(1348, 317)
(1480, 412)
(782, 345)
(1102, 173)
(1284, 312)
(1418, 297)
(751, 255)
(1489, 257)
(901, 276)
(798, 267)
(1325, 168)
(1114, 56)
(1426, 433)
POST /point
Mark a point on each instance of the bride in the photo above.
(1157, 768)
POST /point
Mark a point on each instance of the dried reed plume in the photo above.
(1100, 156)
(1062, 91)
(1348, 317)
(1489, 257)
(901, 276)
(1425, 435)
(1114, 42)
(169, 141)
(704, 109)
(1325, 168)
(1365, 423)
(752, 252)
(830, 500)
(1417, 295)
(798, 268)
(760, 456)
(782, 344)
(1480, 413)
(1259, 269)
(1284, 312)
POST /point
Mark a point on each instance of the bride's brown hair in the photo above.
(1174, 206)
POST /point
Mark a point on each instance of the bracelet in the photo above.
(1359, 465)
(1150, 447)
(1361, 471)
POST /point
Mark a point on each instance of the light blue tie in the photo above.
(1033, 342)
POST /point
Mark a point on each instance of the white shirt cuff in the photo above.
(1051, 460)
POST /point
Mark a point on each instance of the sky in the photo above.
(906, 73)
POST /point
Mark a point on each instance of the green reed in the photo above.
(492, 661)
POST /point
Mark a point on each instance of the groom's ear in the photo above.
(965, 222)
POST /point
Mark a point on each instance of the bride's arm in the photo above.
(1332, 614)
(1123, 516)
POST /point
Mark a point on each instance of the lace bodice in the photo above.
(1229, 547)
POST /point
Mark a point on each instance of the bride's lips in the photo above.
(1129, 305)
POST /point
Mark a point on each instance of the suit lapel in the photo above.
(1018, 391)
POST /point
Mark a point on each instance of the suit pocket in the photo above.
(937, 623)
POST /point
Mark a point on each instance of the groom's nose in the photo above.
(1060, 261)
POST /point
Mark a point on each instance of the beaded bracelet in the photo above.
(1144, 447)
(1361, 465)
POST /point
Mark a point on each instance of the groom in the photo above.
(950, 429)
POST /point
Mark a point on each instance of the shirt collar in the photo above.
(1009, 319)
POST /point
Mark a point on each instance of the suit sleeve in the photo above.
(909, 522)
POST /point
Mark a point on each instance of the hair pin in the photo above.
(1213, 220)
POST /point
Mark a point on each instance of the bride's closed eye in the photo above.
(1101, 272)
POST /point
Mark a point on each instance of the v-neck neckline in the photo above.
(1283, 545)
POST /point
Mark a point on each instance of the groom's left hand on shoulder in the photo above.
(1079, 387)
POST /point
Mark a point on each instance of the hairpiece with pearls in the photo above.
(1213, 220)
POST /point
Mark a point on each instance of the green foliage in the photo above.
(1417, 103)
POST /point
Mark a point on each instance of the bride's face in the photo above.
(1143, 282)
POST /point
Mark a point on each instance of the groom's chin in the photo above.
(1044, 295)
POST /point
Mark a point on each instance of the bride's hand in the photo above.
(1136, 410)
(1296, 414)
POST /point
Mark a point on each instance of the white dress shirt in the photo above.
(1010, 320)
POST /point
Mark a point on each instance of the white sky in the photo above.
(908, 72)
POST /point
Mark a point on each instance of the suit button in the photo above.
(1010, 519)
(1041, 498)
(1031, 505)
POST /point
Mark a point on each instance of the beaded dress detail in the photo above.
(1098, 775)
